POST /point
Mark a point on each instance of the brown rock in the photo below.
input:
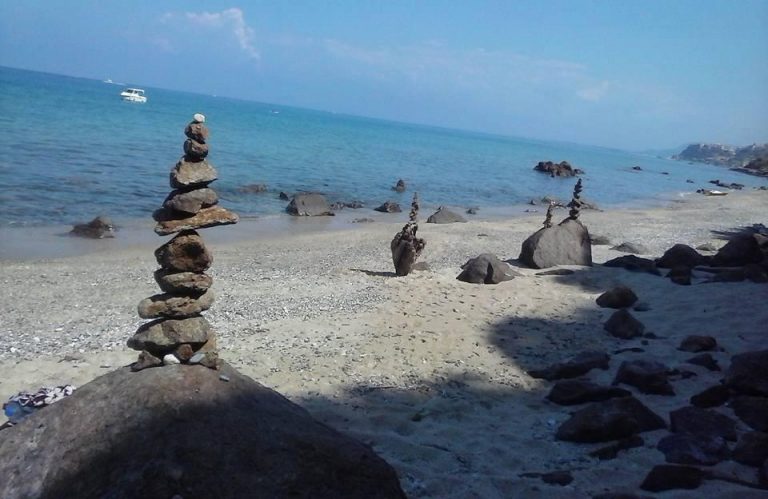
(168, 223)
(190, 202)
(190, 175)
(618, 297)
(184, 352)
(99, 228)
(184, 253)
(163, 336)
(195, 151)
(174, 306)
(184, 283)
(145, 361)
(197, 132)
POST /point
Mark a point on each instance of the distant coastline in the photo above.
(751, 159)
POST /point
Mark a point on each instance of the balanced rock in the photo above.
(609, 420)
(623, 324)
(184, 253)
(169, 222)
(646, 375)
(191, 202)
(194, 150)
(565, 244)
(485, 269)
(174, 306)
(98, 228)
(309, 205)
(197, 132)
(445, 216)
(192, 175)
(618, 297)
(181, 431)
(165, 335)
(182, 282)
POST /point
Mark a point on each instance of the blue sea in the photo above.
(72, 149)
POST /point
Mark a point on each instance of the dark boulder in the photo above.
(565, 244)
(184, 431)
(680, 255)
(445, 216)
(648, 376)
(577, 365)
(399, 186)
(697, 343)
(609, 420)
(194, 150)
(671, 477)
(389, 207)
(742, 249)
(714, 396)
(197, 132)
(618, 297)
(182, 282)
(752, 410)
(698, 421)
(684, 448)
(580, 391)
(751, 449)
(748, 373)
(485, 269)
(174, 306)
(98, 228)
(634, 264)
(562, 169)
(623, 324)
(309, 205)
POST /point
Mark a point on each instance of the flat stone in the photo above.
(168, 223)
(684, 448)
(190, 202)
(189, 175)
(165, 335)
(706, 422)
(714, 396)
(618, 297)
(752, 410)
(623, 324)
(145, 361)
(671, 477)
(748, 373)
(577, 365)
(609, 420)
(174, 306)
(704, 360)
(751, 449)
(647, 375)
(184, 253)
(579, 391)
(184, 283)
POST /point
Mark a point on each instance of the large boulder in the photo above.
(748, 373)
(184, 431)
(680, 255)
(309, 205)
(565, 244)
(742, 249)
(609, 420)
(445, 216)
(485, 269)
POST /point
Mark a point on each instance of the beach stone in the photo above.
(562, 169)
(565, 244)
(182, 282)
(751, 449)
(646, 375)
(697, 343)
(748, 373)
(609, 420)
(623, 324)
(618, 297)
(168, 222)
(195, 151)
(680, 275)
(184, 352)
(445, 216)
(389, 207)
(633, 248)
(634, 264)
(170, 359)
(165, 335)
(684, 448)
(740, 250)
(714, 396)
(309, 205)
(752, 410)
(145, 361)
(399, 186)
(197, 132)
(576, 366)
(99, 228)
(485, 269)
(680, 255)
(705, 360)
(580, 391)
(191, 202)
(184, 253)
(698, 421)
(252, 189)
(180, 430)
(671, 477)
(174, 306)
(191, 175)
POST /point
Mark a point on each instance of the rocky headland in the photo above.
(752, 159)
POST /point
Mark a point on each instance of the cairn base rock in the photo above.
(565, 244)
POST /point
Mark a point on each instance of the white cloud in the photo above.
(595, 93)
(230, 20)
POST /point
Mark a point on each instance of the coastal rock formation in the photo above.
(748, 159)
(389, 207)
(405, 246)
(185, 431)
(565, 244)
(180, 334)
(309, 205)
(98, 228)
(562, 169)
(399, 186)
(445, 216)
(485, 269)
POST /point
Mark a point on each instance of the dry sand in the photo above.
(428, 370)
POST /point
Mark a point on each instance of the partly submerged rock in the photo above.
(98, 228)
(309, 205)
(181, 431)
(445, 216)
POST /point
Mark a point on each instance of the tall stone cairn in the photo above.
(548, 217)
(179, 333)
(406, 247)
(575, 204)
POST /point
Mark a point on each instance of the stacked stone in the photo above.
(575, 204)
(406, 247)
(180, 333)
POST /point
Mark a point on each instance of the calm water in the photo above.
(72, 149)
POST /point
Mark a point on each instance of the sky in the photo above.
(635, 75)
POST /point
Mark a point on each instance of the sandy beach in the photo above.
(428, 370)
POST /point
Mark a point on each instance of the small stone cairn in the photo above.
(576, 203)
(179, 333)
(406, 247)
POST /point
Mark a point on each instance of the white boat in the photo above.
(133, 95)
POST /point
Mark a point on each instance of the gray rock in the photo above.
(182, 431)
(185, 283)
(634, 248)
(184, 253)
(169, 222)
(164, 335)
(684, 448)
(748, 373)
(565, 244)
(618, 297)
(609, 420)
(577, 365)
(623, 324)
(445, 216)
(191, 201)
(648, 376)
(485, 269)
(389, 207)
(99, 228)
(309, 205)
(190, 175)
(599, 240)
(174, 306)
(252, 189)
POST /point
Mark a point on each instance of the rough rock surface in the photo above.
(565, 244)
(623, 324)
(562, 169)
(98, 228)
(188, 175)
(445, 216)
(748, 373)
(609, 420)
(184, 253)
(648, 376)
(485, 269)
(162, 336)
(309, 205)
(191, 201)
(168, 222)
(618, 297)
(173, 306)
(182, 431)
(182, 282)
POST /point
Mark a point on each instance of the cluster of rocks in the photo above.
(562, 169)
(405, 246)
(99, 228)
(179, 333)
